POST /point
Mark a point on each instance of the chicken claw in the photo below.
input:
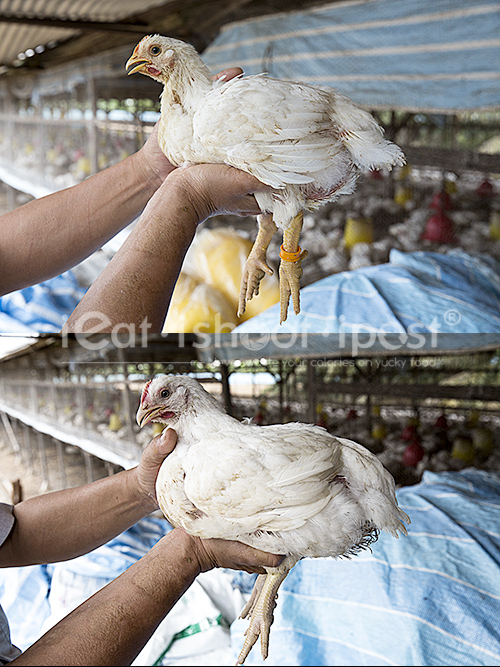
(256, 590)
(257, 624)
(256, 265)
(261, 606)
(255, 269)
(290, 274)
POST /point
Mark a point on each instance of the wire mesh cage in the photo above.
(62, 125)
(415, 412)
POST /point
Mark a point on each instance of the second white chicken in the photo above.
(291, 489)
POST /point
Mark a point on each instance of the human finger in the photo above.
(227, 74)
(236, 556)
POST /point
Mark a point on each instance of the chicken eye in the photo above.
(164, 393)
(155, 50)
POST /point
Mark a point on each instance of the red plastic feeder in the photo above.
(413, 454)
(441, 423)
(439, 228)
(409, 432)
(442, 201)
(485, 189)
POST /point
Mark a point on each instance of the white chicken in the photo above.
(307, 142)
(291, 489)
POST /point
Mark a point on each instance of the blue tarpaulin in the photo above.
(41, 308)
(437, 55)
(419, 292)
(431, 598)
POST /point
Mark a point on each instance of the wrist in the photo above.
(189, 194)
(188, 548)
(147, 172)
(144, 500)
(167, 218)
(174, 200)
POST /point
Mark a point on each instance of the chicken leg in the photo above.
(290, 271)
(256, 265)
(261, 606)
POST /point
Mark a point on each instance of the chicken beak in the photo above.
(136, 64)
(145, 414)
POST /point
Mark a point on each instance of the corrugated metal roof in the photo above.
(33, 25)
(14, 345)
(98, 25)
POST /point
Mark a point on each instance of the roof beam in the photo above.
(91, 26)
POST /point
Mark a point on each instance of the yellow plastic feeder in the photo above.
(358, 230)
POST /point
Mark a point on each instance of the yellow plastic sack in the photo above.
(198, 308)
(218, 257)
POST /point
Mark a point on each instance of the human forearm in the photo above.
(133, 292)
(115, 623)
(135, 289)
(78, 520)
(112, 626)
(65, 524)
(50, 235)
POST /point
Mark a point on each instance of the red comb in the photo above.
(145, 391)
(138, 45)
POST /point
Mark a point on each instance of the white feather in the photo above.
(290, 488)
(307, 142)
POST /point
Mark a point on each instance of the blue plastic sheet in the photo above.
(431, 598)
(390, 54)
(419, 292)
(42, 308)
(25, 592)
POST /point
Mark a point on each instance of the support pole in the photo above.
(43, 461)
(62, 463)
(10, 433)
(226, 393)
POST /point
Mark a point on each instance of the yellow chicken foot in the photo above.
(261, 606)
(256, 590)
(291, 267)
(256, 265)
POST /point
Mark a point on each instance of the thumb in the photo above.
(152, 458)
(162, 445)
(158, 449)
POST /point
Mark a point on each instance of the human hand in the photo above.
(152, 458)
(212, 553)
(216, 189)
(153, 159)
(227, 74)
